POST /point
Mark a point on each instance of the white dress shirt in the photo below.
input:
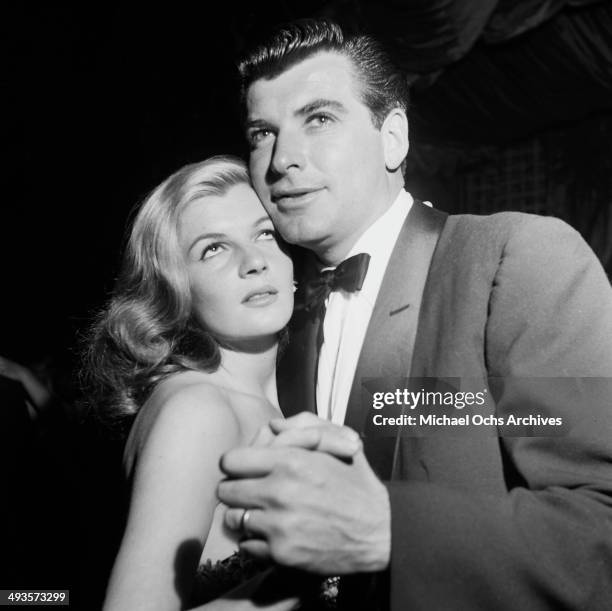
(347, 315)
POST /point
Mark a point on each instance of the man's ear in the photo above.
(395, 138)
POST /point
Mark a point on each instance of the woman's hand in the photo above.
(310, 432)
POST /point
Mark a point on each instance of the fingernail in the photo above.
(350, 434)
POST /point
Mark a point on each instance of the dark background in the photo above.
(104, 103)
(511, 109)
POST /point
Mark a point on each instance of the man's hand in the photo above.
(307, 508)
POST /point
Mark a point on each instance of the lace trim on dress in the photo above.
(213, 579)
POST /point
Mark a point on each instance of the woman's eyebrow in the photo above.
(263, 219)
(220, 236)
(207, 236)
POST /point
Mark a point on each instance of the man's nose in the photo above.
(253, 261)
(288, 153)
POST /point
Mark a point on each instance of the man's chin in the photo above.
(303, 239)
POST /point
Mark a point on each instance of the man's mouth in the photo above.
(294, 196)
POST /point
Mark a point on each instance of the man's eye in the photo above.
(210, 251)
(320, 119)
(258, 135)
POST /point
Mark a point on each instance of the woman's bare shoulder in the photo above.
(185, 409)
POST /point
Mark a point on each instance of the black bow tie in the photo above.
(349, 275)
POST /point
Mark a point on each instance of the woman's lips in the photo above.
(261, 297)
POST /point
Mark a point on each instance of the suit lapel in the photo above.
(389, 341)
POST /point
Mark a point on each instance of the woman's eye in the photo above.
(210, 251)
(267, 234)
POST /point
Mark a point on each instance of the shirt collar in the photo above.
(378, 240)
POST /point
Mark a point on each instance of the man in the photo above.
(461, 522)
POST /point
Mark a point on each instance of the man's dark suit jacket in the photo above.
(491, 522)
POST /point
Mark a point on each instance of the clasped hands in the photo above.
(314, 502)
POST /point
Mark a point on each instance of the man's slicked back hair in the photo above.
(382, 85)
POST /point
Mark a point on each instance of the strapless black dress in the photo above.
(213, 579)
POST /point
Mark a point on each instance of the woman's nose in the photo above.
(253, 261)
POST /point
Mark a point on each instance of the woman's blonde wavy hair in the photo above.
(147, 330)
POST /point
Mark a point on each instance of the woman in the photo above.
(188, 346)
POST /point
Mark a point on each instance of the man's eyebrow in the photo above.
(320, 104)
(256, 124)
(307, 109)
